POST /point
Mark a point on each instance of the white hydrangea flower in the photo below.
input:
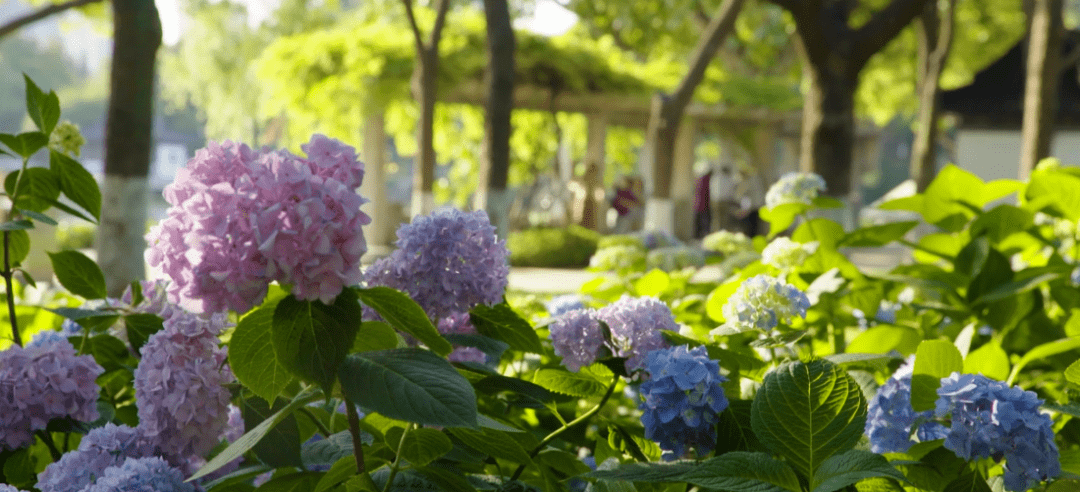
(794, 188)
(761, 303)
(785, 254)
(727, 242)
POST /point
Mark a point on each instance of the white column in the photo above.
(379, 233)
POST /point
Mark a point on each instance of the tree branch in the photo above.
(42, 13)
(440, 21)
(417, 37)
(885, 25)
(720, 26)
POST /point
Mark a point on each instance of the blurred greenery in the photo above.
(557, 247)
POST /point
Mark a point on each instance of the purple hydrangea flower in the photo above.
(459, 323)
(240, 219)
(761, 302)
(233, 431)
(100, 449)
(8, 488)
(155, 299)
(577, 338)
(564, 304)
(890, 417)
(682, 401)
(179, 387)
(992, 419)
(43, 381)
(151, 474)
(447, 262)
(635, 324)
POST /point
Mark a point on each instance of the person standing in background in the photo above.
(724, 186)
(703, 205)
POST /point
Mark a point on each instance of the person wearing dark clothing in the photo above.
(702, 206)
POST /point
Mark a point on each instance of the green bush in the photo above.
(552, 247)
(72, 235)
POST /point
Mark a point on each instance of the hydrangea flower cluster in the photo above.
(564, 303)
(179, 387)
(141, 475)
(155, 299)
(619, 258)
(447, 262)
(100, 449)
(784, 254)
(886, 312)
(794, 188)
(682, 400)
(635, 324)
(8, 488)
(658, 239)
(620, 240)
(989, 418)
(240, 219)
(43, 381)
(761, 302)
(66, 139)
(673, 258)
(577, 337)
(890, 418)
(727, 243)
(459, 323)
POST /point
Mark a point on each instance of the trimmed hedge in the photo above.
(558, 247)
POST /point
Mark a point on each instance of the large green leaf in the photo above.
(311, 339)
(25, 144)
(1001, 221)
(422, 446)
(406, 315)
(736, 471)
(18, 246)
(1059, 191)
(502, 323)
(38, 188)
(293, 482)
(281, 445)
(79, 274)
(878, 235)
(376, 335)
(782, 216)
(251, 354)
(76, 183)
(1072, 373)
(410, 384)
(1041, 352)
(935, 359)
(581, 384)
(140, 327)
(847, 468)
(807, 412)
(990, 360)
(826, 232)
(494, 443)
(884, 338)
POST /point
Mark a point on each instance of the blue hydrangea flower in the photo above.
(564, 303)
(653, 239)
(890, 418)
(447, 262)
(886, 312)
(794, 188)
(992, 419)
(180, 387)
(8, 488)
(682, 401)
(99, 449)
(671, 258)
(761, 302)
(577, 337)
(636, 324)
(43, 381)
(141, 475)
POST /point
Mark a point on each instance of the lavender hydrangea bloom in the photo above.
(794, 188)
(890, 416)
(141, 475)
(8, 488)
(43, 381)
(682, 400)
(577, 337)
(992, 419)
(635, 324)
(448, 262)
(564, 304)
(100, 449)
(233, 431)
(459, 323)
(179, 387)
(240, 219)
(761, 302)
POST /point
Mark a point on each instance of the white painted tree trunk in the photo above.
(120, 233)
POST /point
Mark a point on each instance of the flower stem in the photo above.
(358, 445)
(10, 290)
(48, 440)
(315, 420)
(585, 416)
(397, 459)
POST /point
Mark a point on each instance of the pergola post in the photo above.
(682, 179)
(595, 211)
(380, 231)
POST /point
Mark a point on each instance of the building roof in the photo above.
(995, 98)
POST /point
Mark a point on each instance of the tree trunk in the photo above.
(934, 33)
(425, 90)
(828, 129)
(1041, 89)
(128, 143)
(492, 194)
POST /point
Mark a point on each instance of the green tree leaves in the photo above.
(311, 339)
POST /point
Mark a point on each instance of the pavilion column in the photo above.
(765, 152)
(379, 233)
(682, 179)
(595, 210)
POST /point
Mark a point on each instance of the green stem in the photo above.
(7, 273)
(585, 416)
(358, 445)
(48, 440)
(315, 420)
(397, 459)
(838, 342)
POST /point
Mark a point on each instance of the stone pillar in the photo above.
(380, 233)
(682, 180)
(596, 206)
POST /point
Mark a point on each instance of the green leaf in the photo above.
(1059, 191)
(652, 283)
(139, 328)
(331, 449)
(883, 338)
(782, 216)
(448, 481)
(969, 482)
(493, 443)
(251, 354)
(422, 446)
(253, 436)
(736, 471)
(340, 471)
(409, 384)
(38, 188)
(34, 99)
(1072, 373)
(311, 339)
(826, 232)
(109, 352)
(806, 412)
(292, 482)
(878, 235)
(1009, 289)
(17, 225)
(951, 186)
(990, 360)
(935, 359)
(501, 322)
(376, 335)
(406, 315)
(40, 217)
(579, 384)
(18, 246)
(849, 467)
(76, 183)
(79, 274)
(1041, 352)
(714, 304)
(281, 445)
(25, 144)
(1001, 222)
